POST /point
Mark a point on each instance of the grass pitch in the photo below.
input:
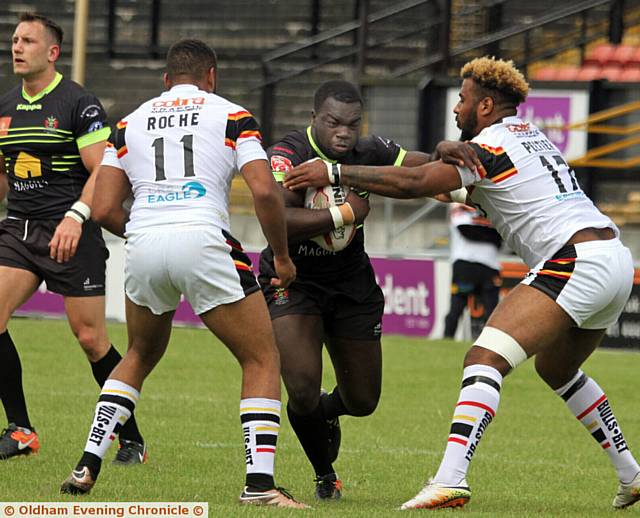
(535, 460)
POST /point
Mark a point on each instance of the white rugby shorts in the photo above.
(591, 281)
(204, 263)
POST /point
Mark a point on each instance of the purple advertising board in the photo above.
(549, 111)
(43, 302)
(408, 286)
(409, 292)
(548, 108)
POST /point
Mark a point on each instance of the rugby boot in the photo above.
(437, 496)
(79, 482)
(276, 497)
(130, 453)
(328, 487)
(628, 494)
(16, 441)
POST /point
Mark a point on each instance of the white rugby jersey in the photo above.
(180, 151)
(465, 249)
(527, 190)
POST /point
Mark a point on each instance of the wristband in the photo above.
(336, 216)
(82, 208)
(459, 195)
(333, 173)
(74, 215)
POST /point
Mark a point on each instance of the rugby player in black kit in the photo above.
(52, 136)
(335, 299)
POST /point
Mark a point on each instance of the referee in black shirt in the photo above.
(52, 137)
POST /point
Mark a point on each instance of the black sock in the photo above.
(260, 481)
(92, 461)
(11, 391)
(101, 370)
(312, 433)
(332, 405)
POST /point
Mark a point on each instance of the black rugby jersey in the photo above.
(312, 260)
(40, 138)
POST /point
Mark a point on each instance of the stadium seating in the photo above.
(617, 63)
(630, 74)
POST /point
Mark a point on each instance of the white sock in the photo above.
(588, 402)
(260, 419)
(115, 405)
(476, 408)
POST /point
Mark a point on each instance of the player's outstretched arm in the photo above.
(269, 206)
(64, 243)
(112, 188)
(395, 182)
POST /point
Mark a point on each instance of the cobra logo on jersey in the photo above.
(189, 191)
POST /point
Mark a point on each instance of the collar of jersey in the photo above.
(317, 149)
(184, 86)
(44, 91)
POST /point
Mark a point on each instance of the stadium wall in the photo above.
(416, 291)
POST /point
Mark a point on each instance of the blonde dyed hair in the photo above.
(499, 76)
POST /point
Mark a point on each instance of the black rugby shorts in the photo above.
(24, 244)
(351, 307)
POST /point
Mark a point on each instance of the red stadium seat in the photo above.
(600, 55)
(567, 74)
(630, 74)
(589, 73)
(624, 54)
(611, 72)
(546, 73)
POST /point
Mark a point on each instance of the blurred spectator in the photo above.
(476, 271)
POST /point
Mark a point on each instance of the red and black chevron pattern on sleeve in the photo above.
(241, 125)
(495, 161)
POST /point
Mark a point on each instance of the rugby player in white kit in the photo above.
(580, 279)
(176, 154)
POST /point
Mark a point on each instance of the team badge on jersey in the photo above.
(280, 164)
(281, 296)
(51, 122)
(5, 123)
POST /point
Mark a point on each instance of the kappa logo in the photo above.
(87, 281)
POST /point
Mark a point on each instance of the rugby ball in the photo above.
(324, 198)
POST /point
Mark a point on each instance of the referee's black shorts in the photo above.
(24, 244)
(351, 307)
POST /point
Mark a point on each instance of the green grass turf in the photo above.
(535, 460)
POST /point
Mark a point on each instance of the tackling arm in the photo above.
(395, 182)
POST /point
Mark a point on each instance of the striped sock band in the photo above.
(260, 420)
(476, 408)
(115, 405)
(588, 402)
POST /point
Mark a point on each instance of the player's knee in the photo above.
(303, 399)
(362, 406)
(497, 349)
(93, 344)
